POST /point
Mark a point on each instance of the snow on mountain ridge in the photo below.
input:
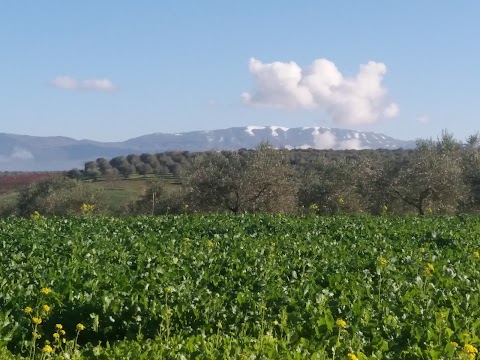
(249, 129)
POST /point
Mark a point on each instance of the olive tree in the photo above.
(261, 181)
(432, 179)
(331, 187)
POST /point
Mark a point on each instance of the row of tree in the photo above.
(439, 177)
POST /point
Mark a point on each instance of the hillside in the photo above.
(32, 153)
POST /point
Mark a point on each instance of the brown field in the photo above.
(13, 182)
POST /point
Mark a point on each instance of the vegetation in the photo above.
(438, 177)
(261, 277)
(223, 286)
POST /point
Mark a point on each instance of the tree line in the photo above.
(438, 177)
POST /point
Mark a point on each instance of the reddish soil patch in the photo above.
(14, 181)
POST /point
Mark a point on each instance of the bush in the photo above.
(58, 196)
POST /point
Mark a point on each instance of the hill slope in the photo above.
(32, 153)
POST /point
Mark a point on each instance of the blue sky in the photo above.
(110, 70)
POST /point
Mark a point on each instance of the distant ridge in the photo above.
(34, 153)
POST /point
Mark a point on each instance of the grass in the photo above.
(120, 191)
(117, 192)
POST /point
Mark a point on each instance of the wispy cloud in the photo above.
(349, 101)
(17, 154)
(69, 83)
(423, 119)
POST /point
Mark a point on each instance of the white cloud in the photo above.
(64, 82)
(327, 140)
(67, 82)
(349, 101)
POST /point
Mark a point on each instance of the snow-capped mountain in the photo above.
(31, 153)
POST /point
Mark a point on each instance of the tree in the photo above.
(433, 178)
(471, 173)
(75, 174)
(92, 170)
(151, 160)
(263, 181)
(144, 169)
(330, 187)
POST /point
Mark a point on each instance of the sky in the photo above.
(111, 70)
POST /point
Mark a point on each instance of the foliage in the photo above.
(263, 286)
(439, 177)
(262, 181)
(331, 187)
(57, 196)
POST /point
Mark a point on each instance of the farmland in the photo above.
(249, 286)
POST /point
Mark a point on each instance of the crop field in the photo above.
(240, 287)
(12, 182)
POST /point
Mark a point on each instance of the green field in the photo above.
(242, 287)
(116, 193)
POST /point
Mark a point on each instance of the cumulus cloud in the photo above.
(327, 140)
(348, 100)
(67, 82)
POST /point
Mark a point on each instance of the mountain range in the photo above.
(34, 153)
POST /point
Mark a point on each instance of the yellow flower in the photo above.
(36, 320)
(314, 207)
(46, 308)
(341, 323)
(351, 356)
(428, 269)
(470, 349)
(45, 290)
(56, 335)
(382, 261)
(86, 208)
(168, 290)
(62, 332)
(340, 200)
(36, 335)
(476, 254)
(64, 340)
(385, 208)
(80, 327)
(47, 349)
(36, 215)
(59, 326)
(27, 310)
